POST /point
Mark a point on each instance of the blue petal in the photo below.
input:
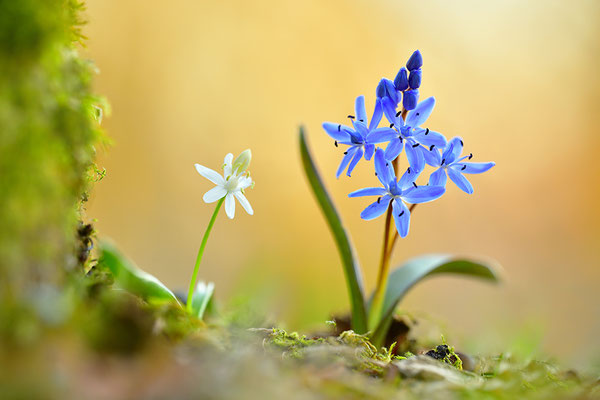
(369, 150)
(411, 97)
(414, 80)
(357, 156)
(438, 178)
(375, 209)
(415, 157)
(432, 156)
(347, 157)
(475, 167)
(381, 135)
(391, 91)
(361, 128)
(383, 169)
(359, 107)
(423, 194)
(407, 179)
(374, 191)
(377, 114)
(460, 180)
(422, 111)
(428, 138)
(336, 131)
(401, 80)
(393, 149)
(389, 109)
(401, 217)
(453, 150)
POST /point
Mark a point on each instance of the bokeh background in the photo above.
(191, 80)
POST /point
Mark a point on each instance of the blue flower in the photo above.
(388, 96)
(410, 135)
(415, 61)
(401, 80)
(450, 165)
(411, 97)
(362, 138)
(397, 192)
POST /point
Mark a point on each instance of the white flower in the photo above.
(231, 184)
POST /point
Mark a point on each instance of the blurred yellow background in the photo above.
(192, 80)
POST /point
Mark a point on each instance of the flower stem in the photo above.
(384, 265)
(200, 253)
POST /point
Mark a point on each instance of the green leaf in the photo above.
(345, 248)
(129, 277)
(202, 296)
(402, 279)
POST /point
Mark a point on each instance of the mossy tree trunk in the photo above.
(48, 128)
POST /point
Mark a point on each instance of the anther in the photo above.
(408, 170)
(443, 160)
(391, 125)
(345, 152)
(378, 200)
(398, 113)
(426, 130)
(463, 168)
(361, 120)
(375, 173)
(418, 114)
(400, 137)
(414, 184)
(431, 147)
(351, 116)
(461, 143)
(470, 155)
(339, 128)
(387, 165)
(416, 145)
(401, 214)
(336, 145)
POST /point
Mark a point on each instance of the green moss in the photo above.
(48, 131)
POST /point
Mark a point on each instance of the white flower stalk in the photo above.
(232, 184)
(234, 181)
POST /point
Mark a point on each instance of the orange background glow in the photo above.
(191, 80)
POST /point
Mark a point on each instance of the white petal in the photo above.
(245, 182)
(214, 194)
(229, 205)
(227, 168)
(209, 174)
(244, 202)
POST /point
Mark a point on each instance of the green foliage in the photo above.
(345, 248)
(129, 277)
(202, 297)
(403, 278)
(48, 129)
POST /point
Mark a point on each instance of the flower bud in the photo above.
(414, 80)
(415, 61)
(242, 162)
(411, 97)
(401, 80)
(386, 88)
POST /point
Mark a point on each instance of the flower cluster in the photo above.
(398, 100)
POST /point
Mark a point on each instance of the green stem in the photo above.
(200, 253)
(377, 301)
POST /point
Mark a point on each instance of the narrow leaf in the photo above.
(201, 298)
(129, 277)
(402, 279)
(345, 248)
